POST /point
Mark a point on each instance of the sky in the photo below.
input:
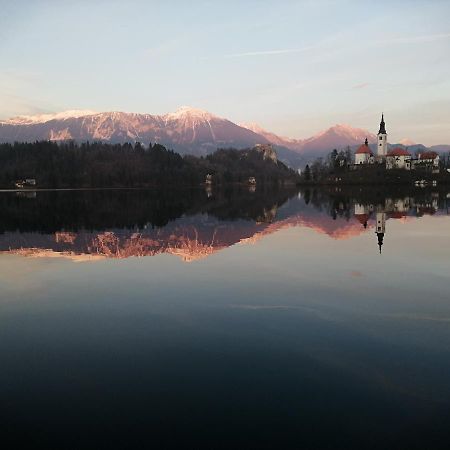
(293, 67)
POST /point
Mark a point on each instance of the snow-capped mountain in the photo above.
(187, 130)
(42, 118)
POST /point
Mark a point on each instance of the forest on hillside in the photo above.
(102, 165)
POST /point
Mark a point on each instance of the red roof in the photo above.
(363, 149)
(428, 155)
(398, 152)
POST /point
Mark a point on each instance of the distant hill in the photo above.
(291, 144)
(338, 136)
(442, 148)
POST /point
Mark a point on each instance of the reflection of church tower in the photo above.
(380, 227)
(382, 138)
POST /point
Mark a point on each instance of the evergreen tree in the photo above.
(307, 173)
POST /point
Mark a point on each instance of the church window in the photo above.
(381, 138)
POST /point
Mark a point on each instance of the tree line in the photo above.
(335, 162)
(98, 164)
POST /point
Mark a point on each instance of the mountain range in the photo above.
(187, 131)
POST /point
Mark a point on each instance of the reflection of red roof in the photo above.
(397, 215)
(363, 149)
(426, 210)
(428, 155)
(398, 152)
(363, 218)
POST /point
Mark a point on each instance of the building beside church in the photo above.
(428, 160)
(398, 158)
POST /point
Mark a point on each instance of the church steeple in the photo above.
(382, 125)
(382, 139)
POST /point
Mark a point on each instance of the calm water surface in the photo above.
(237, 319)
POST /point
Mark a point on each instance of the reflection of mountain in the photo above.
(133, 223)
(188, 242)
(190, 238)
(199, 228)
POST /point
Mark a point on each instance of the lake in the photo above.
(240, 318)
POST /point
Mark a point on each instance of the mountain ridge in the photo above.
(187, 130)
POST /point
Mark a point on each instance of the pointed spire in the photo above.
(382, 125)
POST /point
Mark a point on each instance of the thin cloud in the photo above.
(419, 317)
(256, 307)
(270, 52)
(164, 48)
(333, 39)
(416, 39)
(360, 86)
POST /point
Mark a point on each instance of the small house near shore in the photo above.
(27, 183)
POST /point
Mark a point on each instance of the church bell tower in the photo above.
(382, 139)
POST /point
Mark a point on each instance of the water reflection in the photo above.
(397, 208)
(309, 339)
(193, 224)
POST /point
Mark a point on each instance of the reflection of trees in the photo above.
(340, 202)
(65, 211)
(335, 204)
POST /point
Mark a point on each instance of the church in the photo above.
(397, 158)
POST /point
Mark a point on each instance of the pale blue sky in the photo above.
(294, 67)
